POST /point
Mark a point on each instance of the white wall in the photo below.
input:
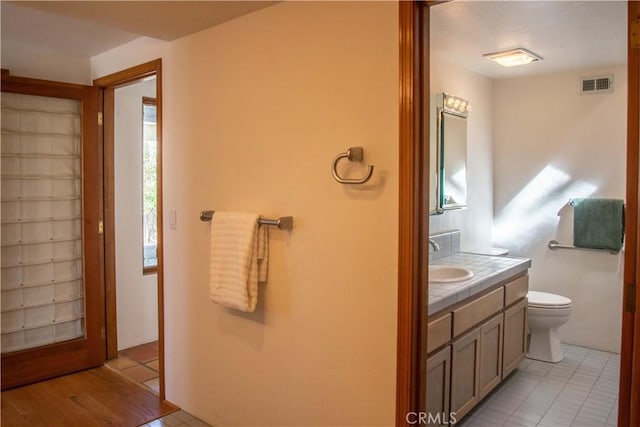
(26, 60)
(136, 294)
(254, 112)
(475, 221)
(553, 144)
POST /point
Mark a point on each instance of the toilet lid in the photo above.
(544, 299)
(490, 251)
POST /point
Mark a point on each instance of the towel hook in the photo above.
(353, 154)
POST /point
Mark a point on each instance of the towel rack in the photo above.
(354, 154)
(553, 245)
(283, 223)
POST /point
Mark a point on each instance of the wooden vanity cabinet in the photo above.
(465, 368)
(475, 345)
(438, 373)
(476, 365)
(490, 371)
(515, 336)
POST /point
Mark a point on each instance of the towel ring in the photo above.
(353, 154)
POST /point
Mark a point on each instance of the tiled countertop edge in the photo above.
(443, 295)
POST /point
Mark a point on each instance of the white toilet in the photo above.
(547, 312)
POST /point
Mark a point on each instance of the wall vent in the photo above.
(598, 84)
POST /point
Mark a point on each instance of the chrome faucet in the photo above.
(434, 245)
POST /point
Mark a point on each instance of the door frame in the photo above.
(629, 393)
(108, 84)
(413, 231)
(44, 362)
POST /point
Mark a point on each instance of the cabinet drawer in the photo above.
(439, 332)
(513, 291)
(476, 311)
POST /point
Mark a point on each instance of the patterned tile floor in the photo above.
(579, 391)
(177, 419)
(139, 364)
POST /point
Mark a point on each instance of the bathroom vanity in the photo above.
(476, 332)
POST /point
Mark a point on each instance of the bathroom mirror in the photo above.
(451, 147)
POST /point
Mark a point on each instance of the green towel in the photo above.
(598, 223)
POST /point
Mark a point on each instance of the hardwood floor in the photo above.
(97, 397)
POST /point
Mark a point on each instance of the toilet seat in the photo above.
(547, 301)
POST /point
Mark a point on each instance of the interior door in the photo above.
(52, 244)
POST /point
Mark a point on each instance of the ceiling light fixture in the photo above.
(513, 57)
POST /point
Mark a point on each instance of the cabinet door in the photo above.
(490, 355)
(438, 379)
(465, 364)
(515, 336)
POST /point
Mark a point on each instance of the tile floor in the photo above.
(178, 419)
(140, 364)
(579, 391)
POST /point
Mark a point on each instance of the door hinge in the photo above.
(99, 118)
(102, 332)
(634, 34)
(630, 298)
(100, 227)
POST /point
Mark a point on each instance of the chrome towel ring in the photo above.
(354, 154)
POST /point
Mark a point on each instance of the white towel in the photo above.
(239, 259)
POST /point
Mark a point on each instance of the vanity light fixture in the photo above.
(513, 57)
(453, 104)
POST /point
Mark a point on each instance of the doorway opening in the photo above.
(133, 223)
(414, 23)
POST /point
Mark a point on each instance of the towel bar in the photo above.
(283, 223)
(553, 245)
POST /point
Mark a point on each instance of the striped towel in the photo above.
(239, 259)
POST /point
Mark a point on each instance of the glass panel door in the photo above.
(52, 261)
(42, 264)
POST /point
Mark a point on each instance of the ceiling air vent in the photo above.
(597, 84)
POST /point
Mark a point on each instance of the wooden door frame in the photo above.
(413, 233)
(31, 365)
(629, 394)
(108, 84)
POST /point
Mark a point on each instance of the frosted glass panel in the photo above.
(42, 270)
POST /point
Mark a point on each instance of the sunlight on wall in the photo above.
(536, 207)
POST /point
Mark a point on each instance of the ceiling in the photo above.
(566, 34)
(88, 28)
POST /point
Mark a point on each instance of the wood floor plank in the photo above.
(96, 397)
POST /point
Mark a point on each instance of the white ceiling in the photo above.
(87, 28)
(567, 34)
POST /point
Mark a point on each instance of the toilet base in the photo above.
(545, 345)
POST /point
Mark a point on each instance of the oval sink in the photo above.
(448, 273)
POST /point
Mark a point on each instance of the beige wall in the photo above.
(553, 144)
(475, 221)
(254, 112)
(137, 294)
(27, 60)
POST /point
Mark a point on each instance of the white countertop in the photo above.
(487, 272)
